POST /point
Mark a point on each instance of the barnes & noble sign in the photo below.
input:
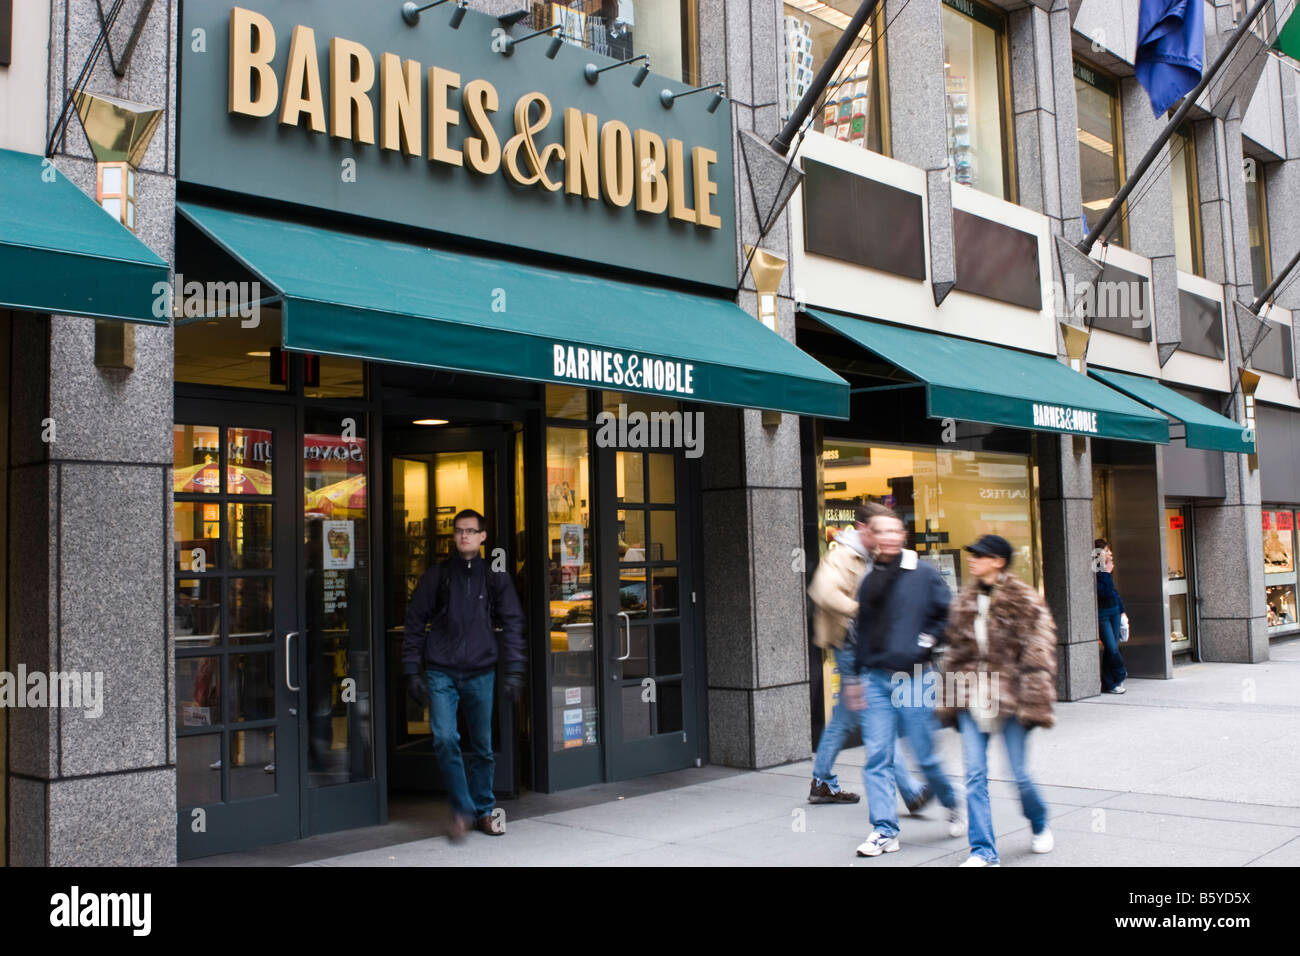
(345, 107)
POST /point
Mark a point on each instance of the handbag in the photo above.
(1123, 630)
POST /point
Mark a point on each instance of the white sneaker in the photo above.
(974, 860)
(956, 825)
(877, 844)
(1118, 689)
(1042, 842)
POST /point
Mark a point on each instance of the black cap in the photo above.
(992, 546)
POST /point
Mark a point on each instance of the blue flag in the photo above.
(1170, 49)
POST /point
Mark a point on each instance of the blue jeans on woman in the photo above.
(470, 793)
(841, 723)
(979, 812)
(1113, 672)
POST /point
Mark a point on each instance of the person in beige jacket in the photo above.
(834, 594)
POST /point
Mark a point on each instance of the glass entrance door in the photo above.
(622, 670)
(647, 621)
(433, 473)
(237, 633)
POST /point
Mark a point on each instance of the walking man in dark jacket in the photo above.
(449, 630)
(902, 614)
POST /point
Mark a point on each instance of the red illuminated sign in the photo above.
(1176, 523)
(1285, 521)
(1267, 523)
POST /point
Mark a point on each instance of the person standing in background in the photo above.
(1111, 618)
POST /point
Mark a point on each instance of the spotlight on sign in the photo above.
(592, 72)
(668, 96)
(556, 42)
(411, 11)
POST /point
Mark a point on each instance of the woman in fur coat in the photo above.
(1000, 675)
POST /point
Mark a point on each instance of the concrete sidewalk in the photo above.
(1201, 770)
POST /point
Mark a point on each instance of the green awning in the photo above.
(1205, 428)
(61, 253)
(975, 382)
(399, 302)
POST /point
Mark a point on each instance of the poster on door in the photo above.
(339, 538)
(570, 545)
(573, 728)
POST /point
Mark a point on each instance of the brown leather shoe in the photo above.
(457, 828)
(485, 824)
(821, 793)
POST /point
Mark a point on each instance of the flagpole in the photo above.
(1085, 246)
(1272, 286)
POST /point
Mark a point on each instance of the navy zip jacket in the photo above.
(1107, 594)
(463, 639)
(916, 604)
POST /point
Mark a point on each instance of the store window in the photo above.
(976, 96)
(1186, 200)
(853, 106)
(666, 30)
(570, 590)
(947, 499)
(1261, 269)
(1279, 568)
(1101, 152)
(1176, 549)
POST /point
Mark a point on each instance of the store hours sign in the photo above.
(319, 105)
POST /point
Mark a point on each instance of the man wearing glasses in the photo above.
(451, 633)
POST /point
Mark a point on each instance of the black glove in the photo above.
(514, 684)
(418, 689)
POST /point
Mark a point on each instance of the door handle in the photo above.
(627, 632)
(288, 661)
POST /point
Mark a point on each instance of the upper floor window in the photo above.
(853, 106)
(1263, 25)
(977, 97)
(1101, 149)
(666, 30)
(1186, 200)
(6, 30)
(1261, 268)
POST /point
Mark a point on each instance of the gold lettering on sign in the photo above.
(249, 58)
(701, 159)
(581, 173)
(302, 92)
(442, 116)
(523, 139)
(482, 151)
(651, 186)
(352, 74)
(677, 207)
(617, 174)
(399, 105)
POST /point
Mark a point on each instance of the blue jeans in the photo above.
(841, 723)
(884, 722)
(1113, 672)
(470, 793)
(974, 749)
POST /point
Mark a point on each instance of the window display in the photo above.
(853, 103)
(1100, 153)
(666, 30)
(1180, 622)
(1186, 197)
(974, 68)
(1279, 568)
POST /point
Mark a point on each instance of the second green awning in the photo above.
(389, 301)
(61, 253)
(1205, 428)
(976, 382)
